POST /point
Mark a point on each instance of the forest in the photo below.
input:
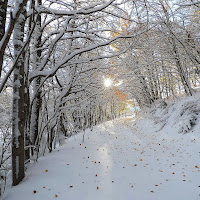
(69, 65)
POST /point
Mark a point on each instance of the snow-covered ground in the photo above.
(122, 159)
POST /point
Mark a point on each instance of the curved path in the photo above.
(117, 161)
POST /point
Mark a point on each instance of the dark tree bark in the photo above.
(3, 10)
(37, 101)
(13, 19)
(18, 105)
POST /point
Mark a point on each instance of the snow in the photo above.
(18, 3)
(120, 159)
(85, 11)
(66, 59)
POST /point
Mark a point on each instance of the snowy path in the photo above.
(116, 162)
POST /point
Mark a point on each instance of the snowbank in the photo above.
(181, 116)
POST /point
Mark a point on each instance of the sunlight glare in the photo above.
(107, 82)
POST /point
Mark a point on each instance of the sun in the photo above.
(107, 82)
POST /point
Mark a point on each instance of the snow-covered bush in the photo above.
(162, 104)
(188, 116)
(182, 114)
(160, 114)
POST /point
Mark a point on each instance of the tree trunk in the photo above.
(13, 20)
(18, 105)
(3, 10)
(37, 101)
(184, 79)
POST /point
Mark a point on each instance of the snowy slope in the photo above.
(119, 160)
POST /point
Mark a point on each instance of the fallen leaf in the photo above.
(71, 186)
(97, 187)
(34, 191)
(56, 195)
(46, 170)
(196, 166)
(152, 191)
